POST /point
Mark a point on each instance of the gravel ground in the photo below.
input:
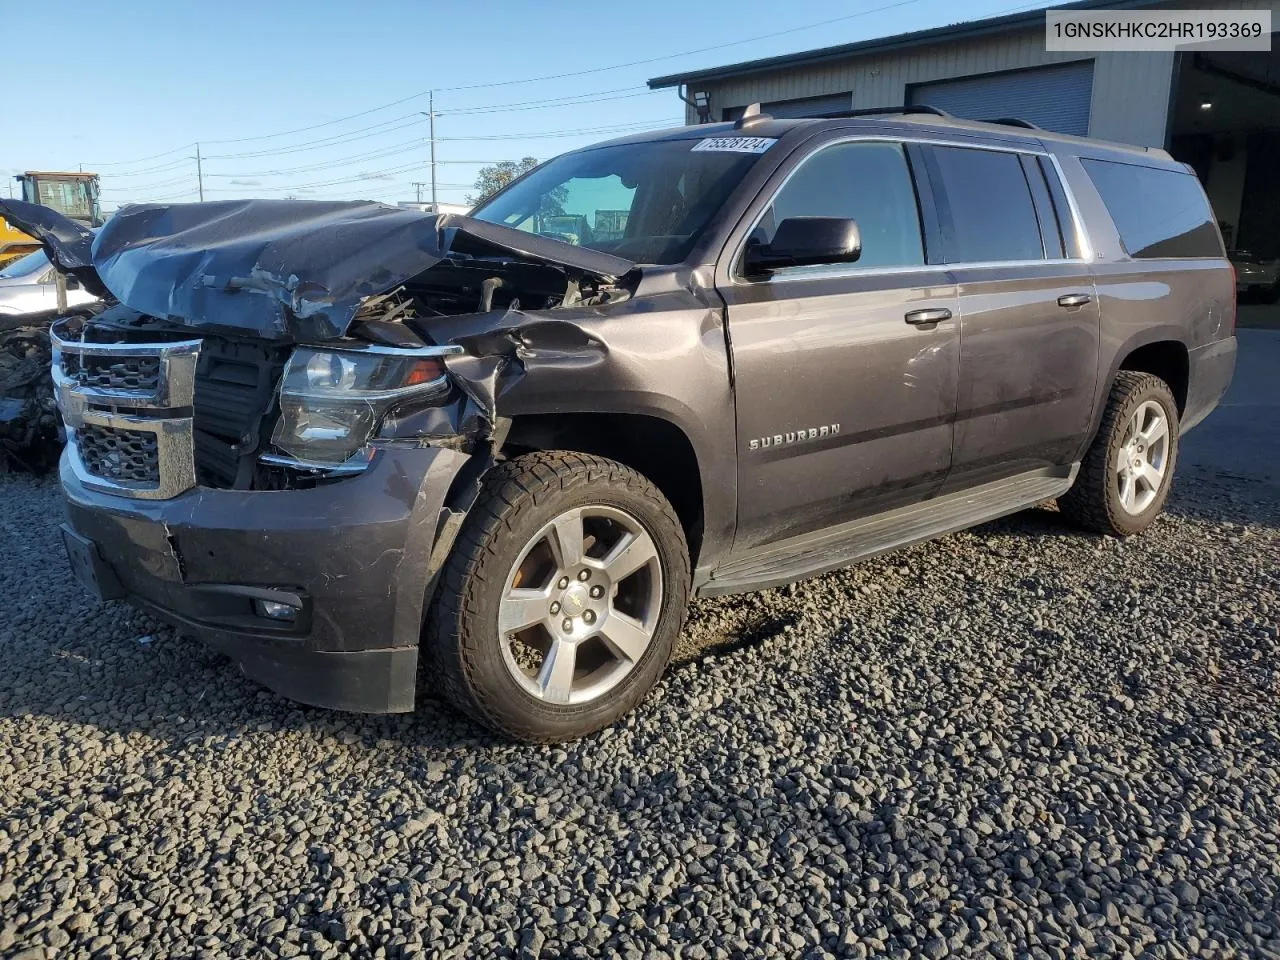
(1018, 741)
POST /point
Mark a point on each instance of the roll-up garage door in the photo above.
(1056, 98)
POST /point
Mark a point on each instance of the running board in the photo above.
(834, 547)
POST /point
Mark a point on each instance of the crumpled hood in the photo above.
(67, 244)
(288, 269)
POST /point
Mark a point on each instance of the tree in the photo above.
(493, 178)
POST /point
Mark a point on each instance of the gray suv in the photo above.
(367, 451)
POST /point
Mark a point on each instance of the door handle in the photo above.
(919, 318)
(1074, 299)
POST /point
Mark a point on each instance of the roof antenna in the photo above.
(750, 117)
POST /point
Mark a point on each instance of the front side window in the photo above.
(868, 182)
(1158, 213)
(988, 211)
(647, 202)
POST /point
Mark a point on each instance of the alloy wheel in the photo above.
(580, 605)
(1143, 458)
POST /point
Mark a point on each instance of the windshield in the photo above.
(646, 202)
(26, 266)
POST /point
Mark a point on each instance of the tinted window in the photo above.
(990, 212)
(1158, 213)
(869, 182)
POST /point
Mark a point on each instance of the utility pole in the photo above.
(418, 185)
(431, 106)
(199, 173)
(430, 114)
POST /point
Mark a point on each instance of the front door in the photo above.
(845, 399)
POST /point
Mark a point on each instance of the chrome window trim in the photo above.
(844, 271)
(1087, 254)
(852, 270)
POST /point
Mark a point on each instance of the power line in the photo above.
(411, 119)
(162, 168)
(415, 143)
(126, 163)
(686, 53)
(326, 123)
(557, 76)
(620, 128)
(418, 118)
(623, 93)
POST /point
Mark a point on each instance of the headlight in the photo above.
(330, 371)
(331, 401)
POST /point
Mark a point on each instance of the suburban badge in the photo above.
(795, 436)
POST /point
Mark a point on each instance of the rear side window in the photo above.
(987, 211)
(1158, 213)
(869, 182)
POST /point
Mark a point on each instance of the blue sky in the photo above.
(132, 85)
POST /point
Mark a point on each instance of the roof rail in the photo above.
(1016, 122)
(882, 111)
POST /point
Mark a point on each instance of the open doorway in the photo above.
(1225, 122)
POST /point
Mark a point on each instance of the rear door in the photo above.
(1028, 313)
(844, 405)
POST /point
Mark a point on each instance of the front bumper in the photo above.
(355, 556)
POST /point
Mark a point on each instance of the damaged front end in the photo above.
(30, 434)
(274, 434)
(311, 331)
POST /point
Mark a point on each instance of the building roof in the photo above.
(956, 31)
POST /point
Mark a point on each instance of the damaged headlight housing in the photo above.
(332, 400)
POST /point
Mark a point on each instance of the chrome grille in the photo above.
(127, 407)
(113, 373)
(129, 456)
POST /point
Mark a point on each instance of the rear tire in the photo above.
(1125, 476)
(541, 629)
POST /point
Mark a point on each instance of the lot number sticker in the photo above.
(736, 144)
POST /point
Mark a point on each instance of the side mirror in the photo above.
(72, 283)
(805, 242)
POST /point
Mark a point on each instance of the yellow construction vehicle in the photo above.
(74, 195)
(14, 243)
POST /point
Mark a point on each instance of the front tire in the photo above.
(562, 599)
(1125, 476)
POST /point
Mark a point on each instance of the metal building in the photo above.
(1218, 111)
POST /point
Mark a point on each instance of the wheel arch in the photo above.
(656, 447)
(1170, 360)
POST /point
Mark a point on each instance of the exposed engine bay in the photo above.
(464, 285)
